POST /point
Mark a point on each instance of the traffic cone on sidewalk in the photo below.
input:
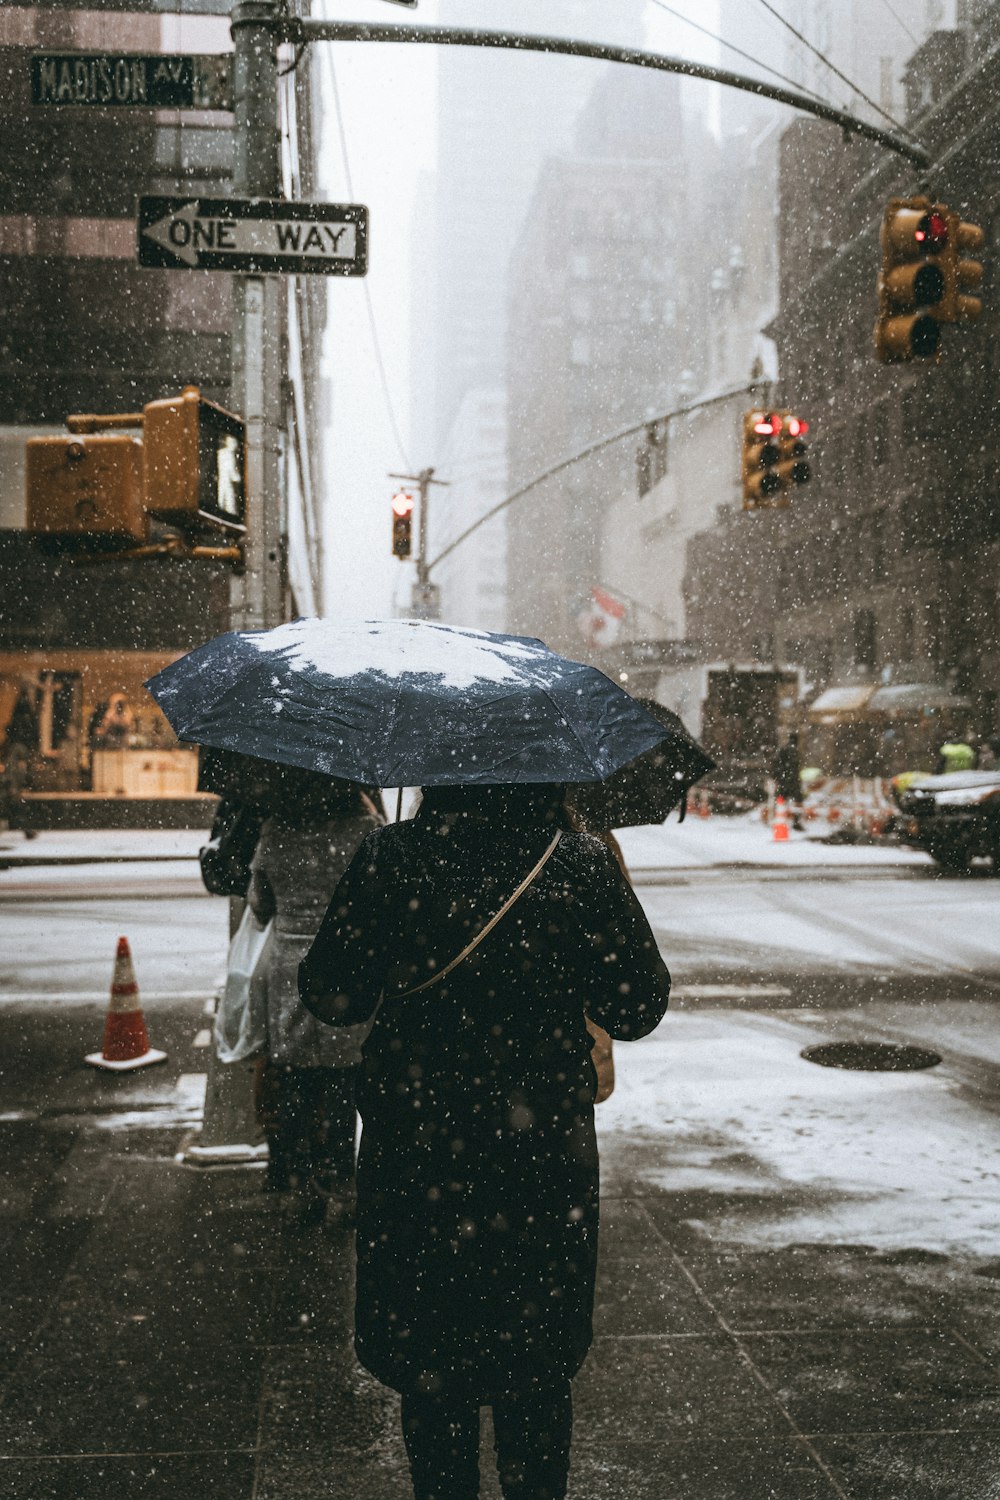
(126, 1044)
(780, 823)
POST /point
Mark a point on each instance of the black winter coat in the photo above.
(478, 1170)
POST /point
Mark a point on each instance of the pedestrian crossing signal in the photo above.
(193, 461)
(186, 469)
(86, 486)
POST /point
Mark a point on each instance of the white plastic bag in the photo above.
(241, 1018)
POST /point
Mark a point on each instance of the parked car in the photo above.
(956, 818)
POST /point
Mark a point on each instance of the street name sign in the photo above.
(261, 235)
(156, 81)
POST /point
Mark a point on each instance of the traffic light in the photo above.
(793, 466)
(402, 524)
(911, 284)
(924, 278)
(188, 470)
(774, 458)
(961, 275)
(86, 486)
(193, 461)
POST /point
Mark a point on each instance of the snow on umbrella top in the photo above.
(404, 703)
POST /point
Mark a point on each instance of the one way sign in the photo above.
(254, 234)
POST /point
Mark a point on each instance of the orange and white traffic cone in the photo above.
(780, 833)
(126, 1044)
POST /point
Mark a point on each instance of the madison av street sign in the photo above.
(152, 82)
(253, 234)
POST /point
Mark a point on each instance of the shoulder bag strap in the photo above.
(484, 931)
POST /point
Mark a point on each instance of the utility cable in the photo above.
(721, 41)
(376, 342)
(834, 69)
(592, 448)
(900, 22)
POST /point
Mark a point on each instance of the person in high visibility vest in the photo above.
(955, 755)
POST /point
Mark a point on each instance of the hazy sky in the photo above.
(387, 100)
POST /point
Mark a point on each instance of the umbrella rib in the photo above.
(572, 727)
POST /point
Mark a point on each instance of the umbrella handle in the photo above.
(399, 801)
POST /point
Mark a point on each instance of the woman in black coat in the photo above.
(478, 1172)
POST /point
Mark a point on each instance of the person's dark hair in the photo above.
(525, 805)
(299, 796)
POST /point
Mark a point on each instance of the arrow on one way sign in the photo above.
(253, 234)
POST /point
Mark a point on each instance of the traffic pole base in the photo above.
(126, 1065)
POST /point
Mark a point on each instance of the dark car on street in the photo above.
(955, 817)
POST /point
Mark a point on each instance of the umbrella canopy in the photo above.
(404, 703)
(647, 788)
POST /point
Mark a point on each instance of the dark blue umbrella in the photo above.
(404, 703)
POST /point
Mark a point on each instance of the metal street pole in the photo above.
(257, 598)
(230, 1131)
(426, 603)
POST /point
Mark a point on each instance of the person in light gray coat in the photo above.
(315, 826)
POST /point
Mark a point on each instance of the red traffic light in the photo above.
(402, 504)
(768, 425)
(932, 231)
(797, 427)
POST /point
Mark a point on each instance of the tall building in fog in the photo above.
(885, 568)
(603, 331)
(500, 115)
(473, 579)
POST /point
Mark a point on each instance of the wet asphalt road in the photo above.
(828, 930)
(800, 1274)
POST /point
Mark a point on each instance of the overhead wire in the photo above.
(732, 47)
(376, 342)
(816, 51)
(900, 22)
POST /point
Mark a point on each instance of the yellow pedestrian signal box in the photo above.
(86, 486)
(193, 461)
(924, 278)
(774, 458)
(402, 524)
(187, 469)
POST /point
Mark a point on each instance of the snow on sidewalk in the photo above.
(703, 842)
(72, 844)
(696, 843)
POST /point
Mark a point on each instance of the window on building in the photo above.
(933, 643)
(579, 304)
(865, 632)
(880, 436)
(906, 651)
(877, 547)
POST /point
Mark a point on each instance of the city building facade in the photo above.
(86, 329)
(601, 335)
(473, 578)
(885, 568)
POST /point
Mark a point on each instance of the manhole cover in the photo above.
(871, 1057)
